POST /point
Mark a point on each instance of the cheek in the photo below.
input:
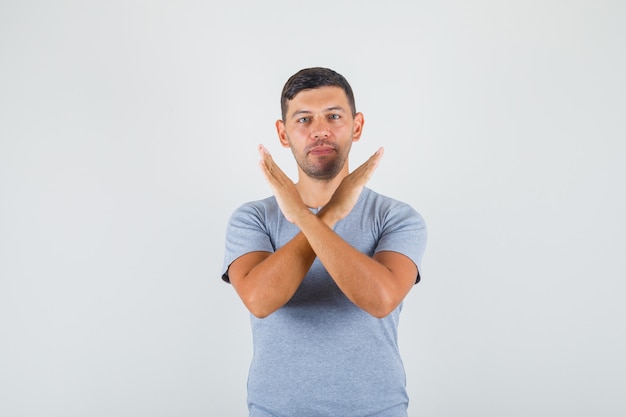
(299, 133)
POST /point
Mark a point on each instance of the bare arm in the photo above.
(378, 284)
(266, 281)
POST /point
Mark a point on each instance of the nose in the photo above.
(319, 129)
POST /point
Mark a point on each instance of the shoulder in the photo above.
(390, 216)
(383, 205)
(264, 207)
(254, 213)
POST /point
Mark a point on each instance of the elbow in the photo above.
(380, 312)
(382, 308)
(258, 309)
(259, 305)
(259, 313)
(386, 303)
(380, 315)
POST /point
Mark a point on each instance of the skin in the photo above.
(320, 129)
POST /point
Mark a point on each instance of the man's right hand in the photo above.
(347, 194)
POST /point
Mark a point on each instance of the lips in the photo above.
(321, 149)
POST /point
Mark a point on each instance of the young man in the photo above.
(323, 266)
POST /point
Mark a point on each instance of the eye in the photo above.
(304, 120)
(334, 116)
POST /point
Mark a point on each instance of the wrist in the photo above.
(302, 217)
(327, 216)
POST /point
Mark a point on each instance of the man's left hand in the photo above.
(284, 189)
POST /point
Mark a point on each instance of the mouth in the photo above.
(320, 150)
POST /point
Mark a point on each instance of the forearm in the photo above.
(271, 283)
(367, 283)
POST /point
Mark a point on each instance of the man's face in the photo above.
(319, 128)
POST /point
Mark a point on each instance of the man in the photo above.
(323, 266)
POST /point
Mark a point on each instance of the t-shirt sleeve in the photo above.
(246, 232)
(404, 231)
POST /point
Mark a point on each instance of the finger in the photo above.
(376, 157)
(272, 171)
(264, 153)
(263, 150)
(266, 158)
(371, 163)
(265, 163)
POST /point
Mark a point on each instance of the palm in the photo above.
(348, 192)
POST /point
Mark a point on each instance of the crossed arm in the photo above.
(266, 281)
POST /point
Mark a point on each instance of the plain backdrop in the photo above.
(128, 134)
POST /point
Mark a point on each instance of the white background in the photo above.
(128, 133)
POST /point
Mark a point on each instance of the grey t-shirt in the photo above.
(320, 355)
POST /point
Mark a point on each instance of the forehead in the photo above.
(318, 99)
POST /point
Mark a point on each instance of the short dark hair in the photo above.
(309, 78)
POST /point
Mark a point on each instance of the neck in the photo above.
(316, 193)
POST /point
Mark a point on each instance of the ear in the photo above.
(357, 128)
(282, 134)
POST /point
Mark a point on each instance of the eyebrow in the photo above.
(327, 109)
